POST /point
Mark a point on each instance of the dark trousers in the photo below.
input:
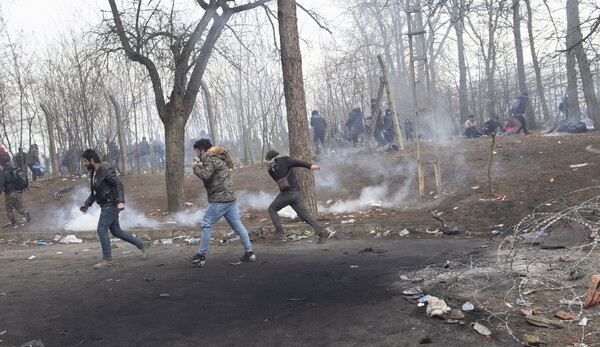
(378, 135)
(109, 220)
(13, 201)
(523, 122)
(34, 172)
(319, 137)
(295, 199)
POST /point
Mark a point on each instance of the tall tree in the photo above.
(521, 78)
(189, 52)
(587, 81)
(295, 101)
(536, 65)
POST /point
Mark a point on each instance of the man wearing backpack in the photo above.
(518, 111)
(12, 182)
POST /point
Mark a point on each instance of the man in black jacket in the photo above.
(280, 167)
(12, 193)
(107, 191)
(319, 124)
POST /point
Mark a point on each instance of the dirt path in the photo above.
(296, 294)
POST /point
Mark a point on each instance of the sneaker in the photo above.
(103, 264)
(324, 235)
(197, 259)
(146, 249)
(248, 257)
(27, 216)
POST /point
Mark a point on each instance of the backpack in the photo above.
(20, 179)
(513, 106)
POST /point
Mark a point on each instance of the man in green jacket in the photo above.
(212, 166)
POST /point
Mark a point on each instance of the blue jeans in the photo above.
(214, 212)
(109, 220)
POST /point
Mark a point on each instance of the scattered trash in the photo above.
(456, 314)
(403, 232)
(127, 252)
(467, 306)
(576, 274)
(455, 208)
(592, 297)
(295, 299)
(3, 332)
(188, 204)
(166, 242)
(70, 239)
(531, 340)
(499, 197)
(425, 340)
(41, 243)
(412, 291)
(404, 277)
(475, 187)
(583, 322)
(495, 232)
(565, 315)
(451, 321)
(57, 238)
(236, 263)
(527, 311)
(571, 302)
(371, 250)
(31, 257)
(59, 193)
(480, 328)
(544, 322)
(564, 258)
(436, 307)
(351, 220)
(575, 166)
(164, 295)
(353, 266)
(423, 299)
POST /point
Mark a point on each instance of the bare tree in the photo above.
(190, 51)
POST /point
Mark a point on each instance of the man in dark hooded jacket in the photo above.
(318, 123)
(519, 112)
(355, 124)
(212, 166)
(280, 167)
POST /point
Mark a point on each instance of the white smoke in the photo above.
(254, 201)
(71, 219)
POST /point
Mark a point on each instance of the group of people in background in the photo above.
(354, 131)
(516, 109)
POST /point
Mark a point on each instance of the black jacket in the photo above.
(7, 180)
(280, 166)
(318, 123)
(107, 189)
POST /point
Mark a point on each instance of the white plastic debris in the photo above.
(583, 322)
(480, 328)
(57, 238)
(31, 257)
(351, 220)
(467, 306)
(436, 307)
(403, 232)
(70, 239)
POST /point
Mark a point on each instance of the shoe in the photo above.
(324, 235)
(248, 257)
(146, 249)
(103, 264)
(197, 259)
(27, 216)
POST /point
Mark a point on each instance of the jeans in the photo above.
(214, 212)
(109, 220)
(293, 198)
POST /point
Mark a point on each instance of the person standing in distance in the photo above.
(107, 191)
(280, 167)
(212, 166)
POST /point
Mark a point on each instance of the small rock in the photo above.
(425, 340)
(480, 328)
(456, 314)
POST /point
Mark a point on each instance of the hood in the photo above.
(223, 153)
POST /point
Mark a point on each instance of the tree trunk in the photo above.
(462, 66)
(587, 81)
(390, 95)
(210, 112)
(50, 125)
(120, 138)
(174, 159)
(295, 102)
(536, 66)
(520, 62)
